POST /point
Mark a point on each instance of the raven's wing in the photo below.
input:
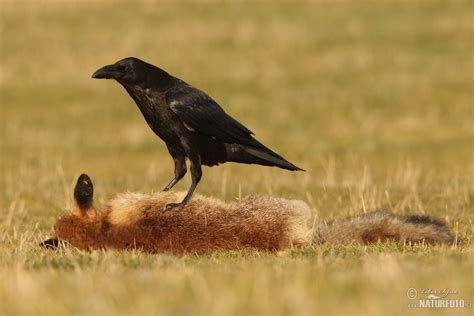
(201, 114)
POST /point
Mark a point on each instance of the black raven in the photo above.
(190, 122)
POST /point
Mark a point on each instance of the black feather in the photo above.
(189, 121)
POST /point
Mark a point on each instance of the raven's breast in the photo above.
(162, 121)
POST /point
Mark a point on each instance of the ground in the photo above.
(374, 99)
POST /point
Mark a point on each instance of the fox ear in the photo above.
(83, 195)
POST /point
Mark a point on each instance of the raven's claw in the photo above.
(171, 206)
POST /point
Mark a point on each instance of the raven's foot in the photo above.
(172, 206)
(170, 185)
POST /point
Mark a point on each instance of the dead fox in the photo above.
(137, 221)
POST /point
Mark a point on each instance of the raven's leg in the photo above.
(196, 173)
(179, 171)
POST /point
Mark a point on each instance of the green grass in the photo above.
(374, 99)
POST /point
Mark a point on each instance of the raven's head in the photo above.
(131, 71)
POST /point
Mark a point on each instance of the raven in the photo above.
(190, 122)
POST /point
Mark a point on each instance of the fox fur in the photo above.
(137, 221)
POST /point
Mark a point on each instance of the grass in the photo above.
(374, 99)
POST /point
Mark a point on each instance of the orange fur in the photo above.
(137, 221)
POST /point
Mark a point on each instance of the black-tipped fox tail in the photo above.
(383, 226)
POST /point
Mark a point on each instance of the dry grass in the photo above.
(374, 99)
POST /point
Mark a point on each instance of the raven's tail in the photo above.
(260, 155)
(272, 158)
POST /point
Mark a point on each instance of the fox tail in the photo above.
(380, 226)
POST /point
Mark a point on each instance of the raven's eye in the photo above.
(128, 69)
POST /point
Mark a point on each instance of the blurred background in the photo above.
(352, 91)
(373, 98)
(327, 85)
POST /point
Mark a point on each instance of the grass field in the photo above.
(374, 98)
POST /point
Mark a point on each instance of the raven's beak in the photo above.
(108, 72)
